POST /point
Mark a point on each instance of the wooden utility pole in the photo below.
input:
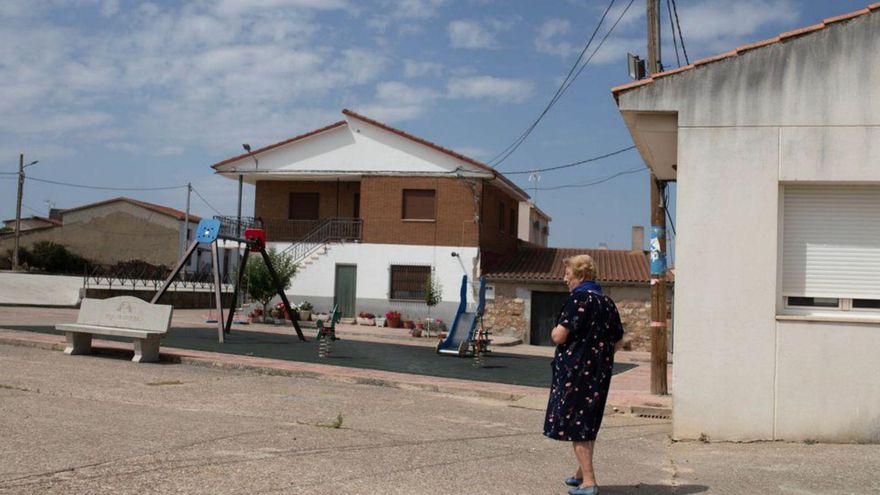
(658, 232)
(15, 265)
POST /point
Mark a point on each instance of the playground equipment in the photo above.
(327, 332)
(209, 231)
(466, 336)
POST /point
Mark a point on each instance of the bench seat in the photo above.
(145, 324)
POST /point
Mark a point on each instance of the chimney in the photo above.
(638, 238)
(55, 213)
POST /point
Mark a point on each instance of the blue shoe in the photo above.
(587, 490)
(572, 481)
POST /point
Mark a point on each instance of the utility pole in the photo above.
(658, 233)
(186, 219)
(15, 265)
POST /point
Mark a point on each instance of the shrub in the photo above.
(52, 257)
(258, 281)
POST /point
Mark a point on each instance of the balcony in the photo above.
(283, 230)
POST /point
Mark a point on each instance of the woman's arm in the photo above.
(559, 335)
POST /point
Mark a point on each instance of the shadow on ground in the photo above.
(532, 371)
(651, 489)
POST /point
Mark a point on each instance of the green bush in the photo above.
(52, 257)
(258, 281)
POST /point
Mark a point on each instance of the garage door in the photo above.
(545, 309)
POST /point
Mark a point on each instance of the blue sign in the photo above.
(658, 258)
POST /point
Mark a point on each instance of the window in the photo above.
(418, 204)
(303, 206)
(512, 223)
(831, 248)
(408, 282)
(357, 206)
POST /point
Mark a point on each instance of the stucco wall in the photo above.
(804, 110)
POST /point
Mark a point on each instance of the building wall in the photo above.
(315, 281)
(497, 243)
(510, 312)
(382, 212)
(110, 238)
(806, 110)
(272, 197)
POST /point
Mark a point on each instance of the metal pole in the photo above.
(15, 265)
(186, 220)
(658, 233)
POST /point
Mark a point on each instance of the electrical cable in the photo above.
(206, 201)
(572, 164)
(683, 48)
(104, 188)
(522, 137)
(672, 31)
(595, 182)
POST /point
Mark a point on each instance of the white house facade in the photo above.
(775, 148)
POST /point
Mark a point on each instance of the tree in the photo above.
(258, 281)
(433, 292)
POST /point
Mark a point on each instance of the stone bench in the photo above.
(122, 316)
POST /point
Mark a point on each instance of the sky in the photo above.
(126, 94)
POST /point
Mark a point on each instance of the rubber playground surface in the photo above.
(498, 367)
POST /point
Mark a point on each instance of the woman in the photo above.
(586, 332)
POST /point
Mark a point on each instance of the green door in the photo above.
(545, 309)
(345, 292)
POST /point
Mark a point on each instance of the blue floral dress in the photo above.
(582, 366)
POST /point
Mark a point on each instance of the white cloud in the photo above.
(500, 89)
(546, 40)
(716, 26)
(405, 15)
(396, 101)
(418, 68)
(472, 34)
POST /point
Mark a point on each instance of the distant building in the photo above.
(31, 223)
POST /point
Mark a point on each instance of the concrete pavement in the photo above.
(101, 424)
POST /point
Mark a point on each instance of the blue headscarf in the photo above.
(589, 285)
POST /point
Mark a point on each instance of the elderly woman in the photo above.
(586, 334)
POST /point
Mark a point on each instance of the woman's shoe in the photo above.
(587, 490)
(572, 481)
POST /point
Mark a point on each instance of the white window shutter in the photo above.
(831, 241)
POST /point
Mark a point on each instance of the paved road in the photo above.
(95, 424)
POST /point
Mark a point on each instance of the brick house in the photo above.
(369, 212)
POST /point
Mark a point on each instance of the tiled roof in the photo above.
(742, 49)
(533, 264)
(35, 217)
(164, 210)
(388, 128)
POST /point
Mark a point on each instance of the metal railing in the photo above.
(152, 277)
(230, 227)
(329, 230)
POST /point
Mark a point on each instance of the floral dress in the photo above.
(582, 366)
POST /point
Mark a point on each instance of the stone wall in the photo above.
(506, 316)
(635, 314)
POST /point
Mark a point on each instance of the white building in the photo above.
(775, 148)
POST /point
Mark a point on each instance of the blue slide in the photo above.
(464, 327)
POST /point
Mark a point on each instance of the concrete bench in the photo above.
(122, 316)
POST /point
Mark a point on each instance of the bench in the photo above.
(122, 316)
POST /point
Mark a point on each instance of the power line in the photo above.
(522, 137)
(572, 164)
(595, 182)
(206, 201)
(672, 31)
(683, 48)
(104, 188)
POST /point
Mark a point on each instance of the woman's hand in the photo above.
(559, 335)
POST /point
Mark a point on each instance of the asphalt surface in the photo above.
(104, 425)
(498, 367)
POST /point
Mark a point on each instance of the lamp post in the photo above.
(21, 167)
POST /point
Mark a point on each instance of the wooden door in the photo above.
(345, 290)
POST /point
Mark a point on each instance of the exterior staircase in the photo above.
(316, 243)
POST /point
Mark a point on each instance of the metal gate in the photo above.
(545, 309)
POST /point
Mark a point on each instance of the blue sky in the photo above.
(120, 93)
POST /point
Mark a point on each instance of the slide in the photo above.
(464, 327)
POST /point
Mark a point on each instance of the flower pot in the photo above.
(305, 314)
(380, 321)
(417, 332)
(409, 324)
(393, 322)
(366, 321)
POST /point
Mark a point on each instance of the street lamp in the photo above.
(21, 167)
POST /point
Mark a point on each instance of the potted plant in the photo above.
(323, 316)
(365, 318)
(409, 324)
(277, 313)
(256, 315)
(393, 318)
(415, 328)
(305, 311)
(380, 321)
